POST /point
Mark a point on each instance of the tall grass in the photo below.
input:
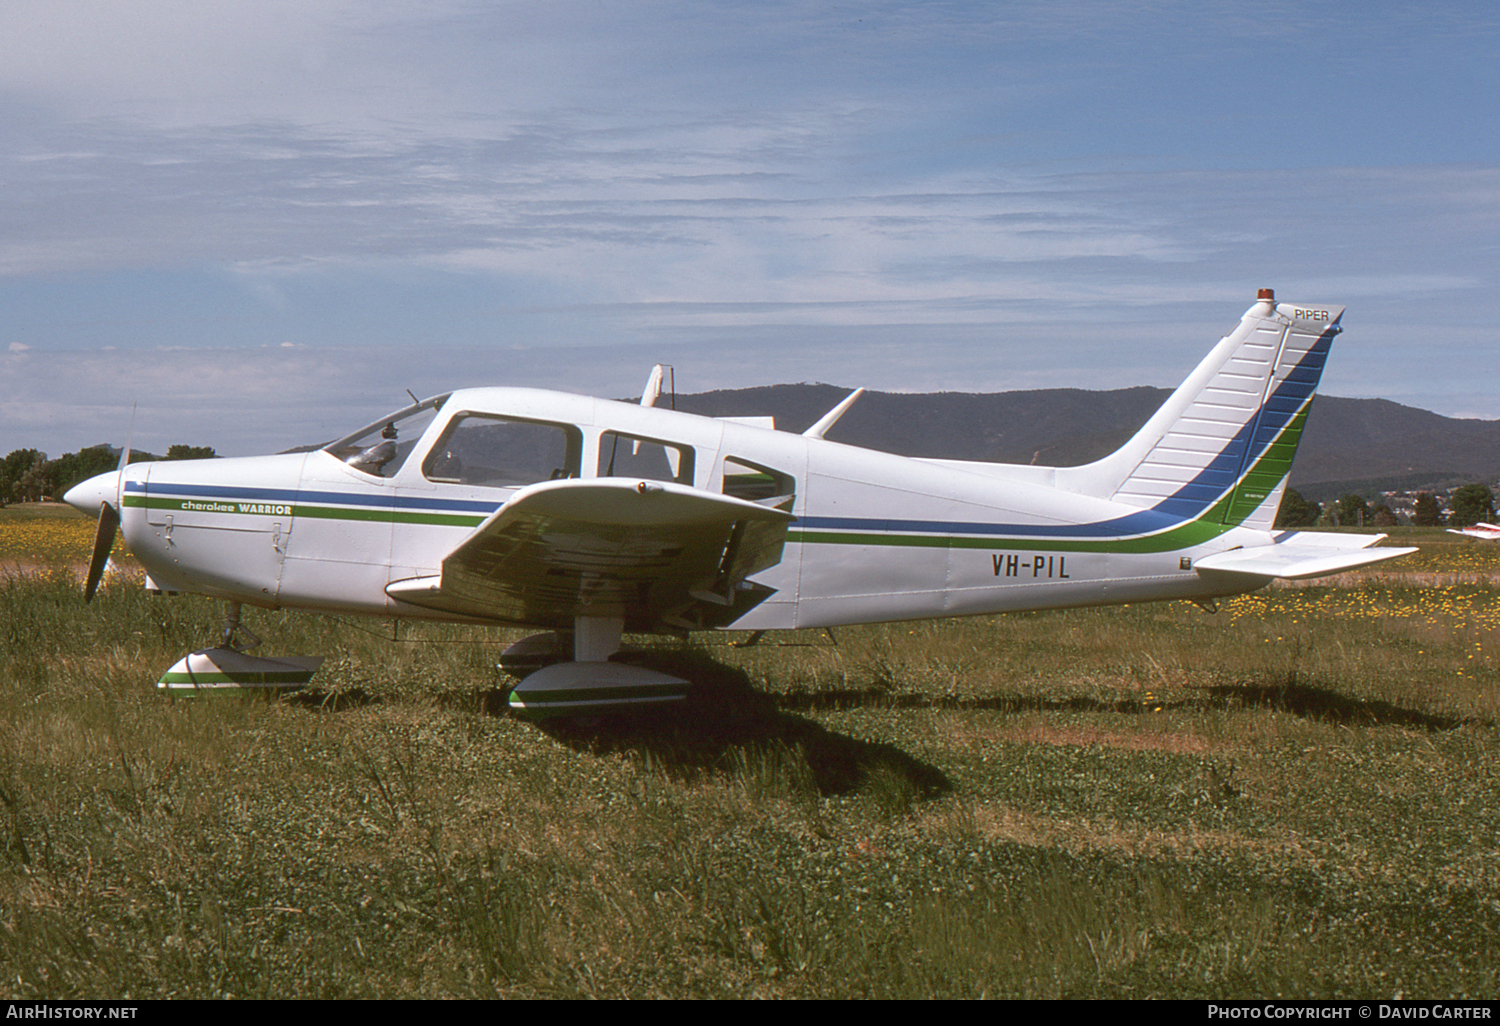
(1294, 797)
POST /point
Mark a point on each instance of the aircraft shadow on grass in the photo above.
(727, 721)
(724, 721)
(1310, 701)
(1324, 704)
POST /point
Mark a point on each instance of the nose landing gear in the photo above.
(227, 669)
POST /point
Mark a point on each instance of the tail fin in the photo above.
(1221, 446)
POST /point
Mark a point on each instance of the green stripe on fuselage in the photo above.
(394, 515)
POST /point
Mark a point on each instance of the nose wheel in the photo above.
(226, 668)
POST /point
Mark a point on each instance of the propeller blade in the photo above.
(104, 540)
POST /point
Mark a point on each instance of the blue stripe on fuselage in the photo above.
(1145, 522)
(289, 495)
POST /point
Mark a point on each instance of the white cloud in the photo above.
(181, 62)
(941, 194)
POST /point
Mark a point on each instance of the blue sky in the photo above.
(261, 222)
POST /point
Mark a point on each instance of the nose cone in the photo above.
(86, 496)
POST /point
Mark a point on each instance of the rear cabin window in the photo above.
(755, 483)
(499, 452)
(644, 458)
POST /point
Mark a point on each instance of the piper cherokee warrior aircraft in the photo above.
(589, 518)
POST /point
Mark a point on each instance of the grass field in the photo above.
(1297, 796)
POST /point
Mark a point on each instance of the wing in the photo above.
(1300, 554)
(660, 555)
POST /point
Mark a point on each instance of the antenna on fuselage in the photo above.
(652, 392)
(831, 418)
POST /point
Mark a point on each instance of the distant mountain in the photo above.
(1350, 444)
(1350, 440)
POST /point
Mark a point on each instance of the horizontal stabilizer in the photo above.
(1300, 555)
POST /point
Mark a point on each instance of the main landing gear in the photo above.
(570, 673)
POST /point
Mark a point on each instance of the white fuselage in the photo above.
(877, 537)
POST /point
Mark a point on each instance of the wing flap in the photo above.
(656, 554)
(1301, 555)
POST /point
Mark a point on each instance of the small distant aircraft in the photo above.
(589, 518)
(1488, 532)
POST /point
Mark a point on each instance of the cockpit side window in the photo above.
(633, 456)
(501, 452)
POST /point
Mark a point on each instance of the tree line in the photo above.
(27, 475)
(1468, 505)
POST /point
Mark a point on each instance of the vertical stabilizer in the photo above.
(1221, 446)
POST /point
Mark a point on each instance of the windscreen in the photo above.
(381, 448)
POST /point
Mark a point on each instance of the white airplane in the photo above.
(1487, 532)
(591, 517)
